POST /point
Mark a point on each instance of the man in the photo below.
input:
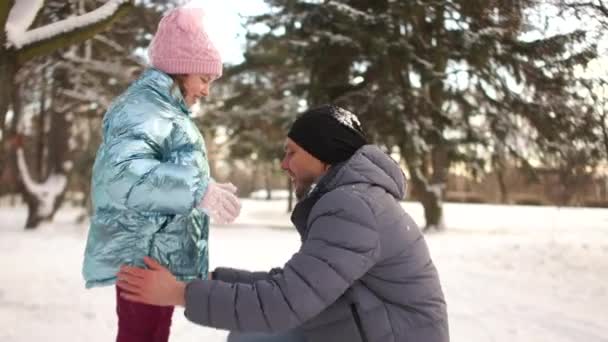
(363, 271)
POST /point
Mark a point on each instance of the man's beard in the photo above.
(303, 189)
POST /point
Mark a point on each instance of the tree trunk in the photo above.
(7, 73)
(52, 152)
(267, 181)
(33, 217)
(7, 77)
(41, 159)
(13, 141)
(431, 200)
(441, 165)
(428, 195)
(33, 205)
(42, 198)
(58, 148)
(502, 185)
(431, 193)
(604, 127)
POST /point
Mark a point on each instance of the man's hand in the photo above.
(155, 286)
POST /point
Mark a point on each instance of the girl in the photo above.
(152, 193)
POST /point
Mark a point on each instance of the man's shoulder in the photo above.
(347, 200)
(345, 219)
(358, 192)
(357, 198)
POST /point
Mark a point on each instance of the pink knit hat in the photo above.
(181, 45)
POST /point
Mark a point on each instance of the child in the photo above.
(152, 193)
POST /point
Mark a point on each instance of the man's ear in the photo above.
(326, 167)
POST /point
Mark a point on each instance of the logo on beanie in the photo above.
(346, 118)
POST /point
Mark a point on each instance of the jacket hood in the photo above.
(368, 165)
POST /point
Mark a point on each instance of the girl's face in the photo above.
(195, 86)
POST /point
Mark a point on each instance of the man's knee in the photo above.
(290, 336)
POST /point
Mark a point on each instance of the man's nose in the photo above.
(284, 164)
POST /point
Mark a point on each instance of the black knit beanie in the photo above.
(329, 133)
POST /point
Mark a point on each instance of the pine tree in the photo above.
(442, 81)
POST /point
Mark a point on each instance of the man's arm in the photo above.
(341, 247)
(233, 275)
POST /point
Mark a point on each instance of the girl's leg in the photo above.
(141, 322)
(164, 325)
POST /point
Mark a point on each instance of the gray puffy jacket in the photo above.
(363, 272)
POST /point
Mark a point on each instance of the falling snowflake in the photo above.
(346, 118)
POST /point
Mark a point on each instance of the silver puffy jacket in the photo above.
(150, 172)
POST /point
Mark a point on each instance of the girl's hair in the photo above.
(178, 83)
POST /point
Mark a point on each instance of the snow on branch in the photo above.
(114, 45)
(47, 192)
(472, 38)
(18, 35)
(349, 11)
(22, 15)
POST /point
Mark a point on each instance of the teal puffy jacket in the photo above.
(150, 173)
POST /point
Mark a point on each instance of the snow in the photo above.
(347, 118)
(349, 11)
(46, 192)
(510, 273)
(276, 194)
(20, 18)
(22, 15)
(337, 39)
(472, 37)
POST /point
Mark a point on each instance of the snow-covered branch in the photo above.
(46, 192)
(19, 21)
(349, 11)
(114, 45)
(471, 38)
(22, 15)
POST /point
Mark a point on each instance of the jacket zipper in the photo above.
(353, 309)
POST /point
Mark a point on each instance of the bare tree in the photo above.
(20, 43)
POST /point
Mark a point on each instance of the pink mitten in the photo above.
(220, 202)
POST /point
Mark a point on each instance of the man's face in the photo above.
(302, 167)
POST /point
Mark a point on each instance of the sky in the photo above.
(225, 25)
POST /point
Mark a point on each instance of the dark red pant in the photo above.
(142, 322)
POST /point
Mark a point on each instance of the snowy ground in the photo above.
(510, 273)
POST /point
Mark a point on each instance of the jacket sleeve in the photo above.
(232, 275)
(342, 245)
(143, 178)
